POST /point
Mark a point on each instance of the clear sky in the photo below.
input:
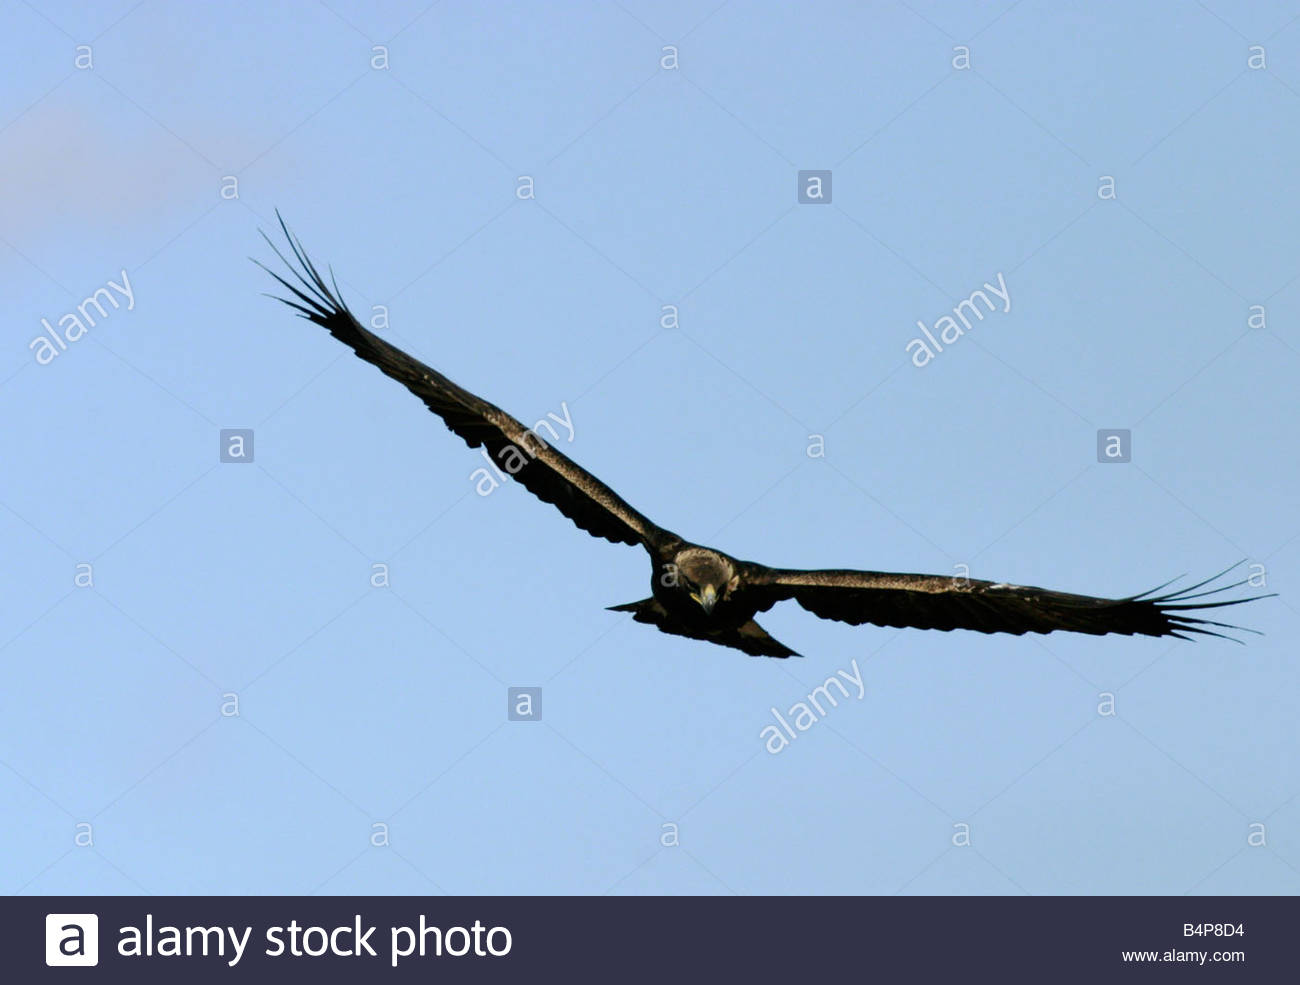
(290, 675)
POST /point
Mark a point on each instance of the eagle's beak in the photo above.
(708, 598)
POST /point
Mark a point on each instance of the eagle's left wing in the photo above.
(941, 602)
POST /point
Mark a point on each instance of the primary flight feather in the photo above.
(704, 594)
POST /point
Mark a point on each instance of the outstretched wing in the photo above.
(938, 602)
(547, 474)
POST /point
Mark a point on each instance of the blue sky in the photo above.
(370, 751)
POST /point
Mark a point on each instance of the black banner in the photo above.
(650, 939)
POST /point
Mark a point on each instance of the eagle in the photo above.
(700, 592)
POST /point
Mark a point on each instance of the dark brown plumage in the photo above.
(704, 594)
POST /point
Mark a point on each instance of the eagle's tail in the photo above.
(751, 637)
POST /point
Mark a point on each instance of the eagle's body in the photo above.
(704, 594)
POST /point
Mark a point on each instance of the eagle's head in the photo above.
(709, 577)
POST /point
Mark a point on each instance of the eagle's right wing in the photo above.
(549, 475)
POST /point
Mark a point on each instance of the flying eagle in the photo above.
(703, 594)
